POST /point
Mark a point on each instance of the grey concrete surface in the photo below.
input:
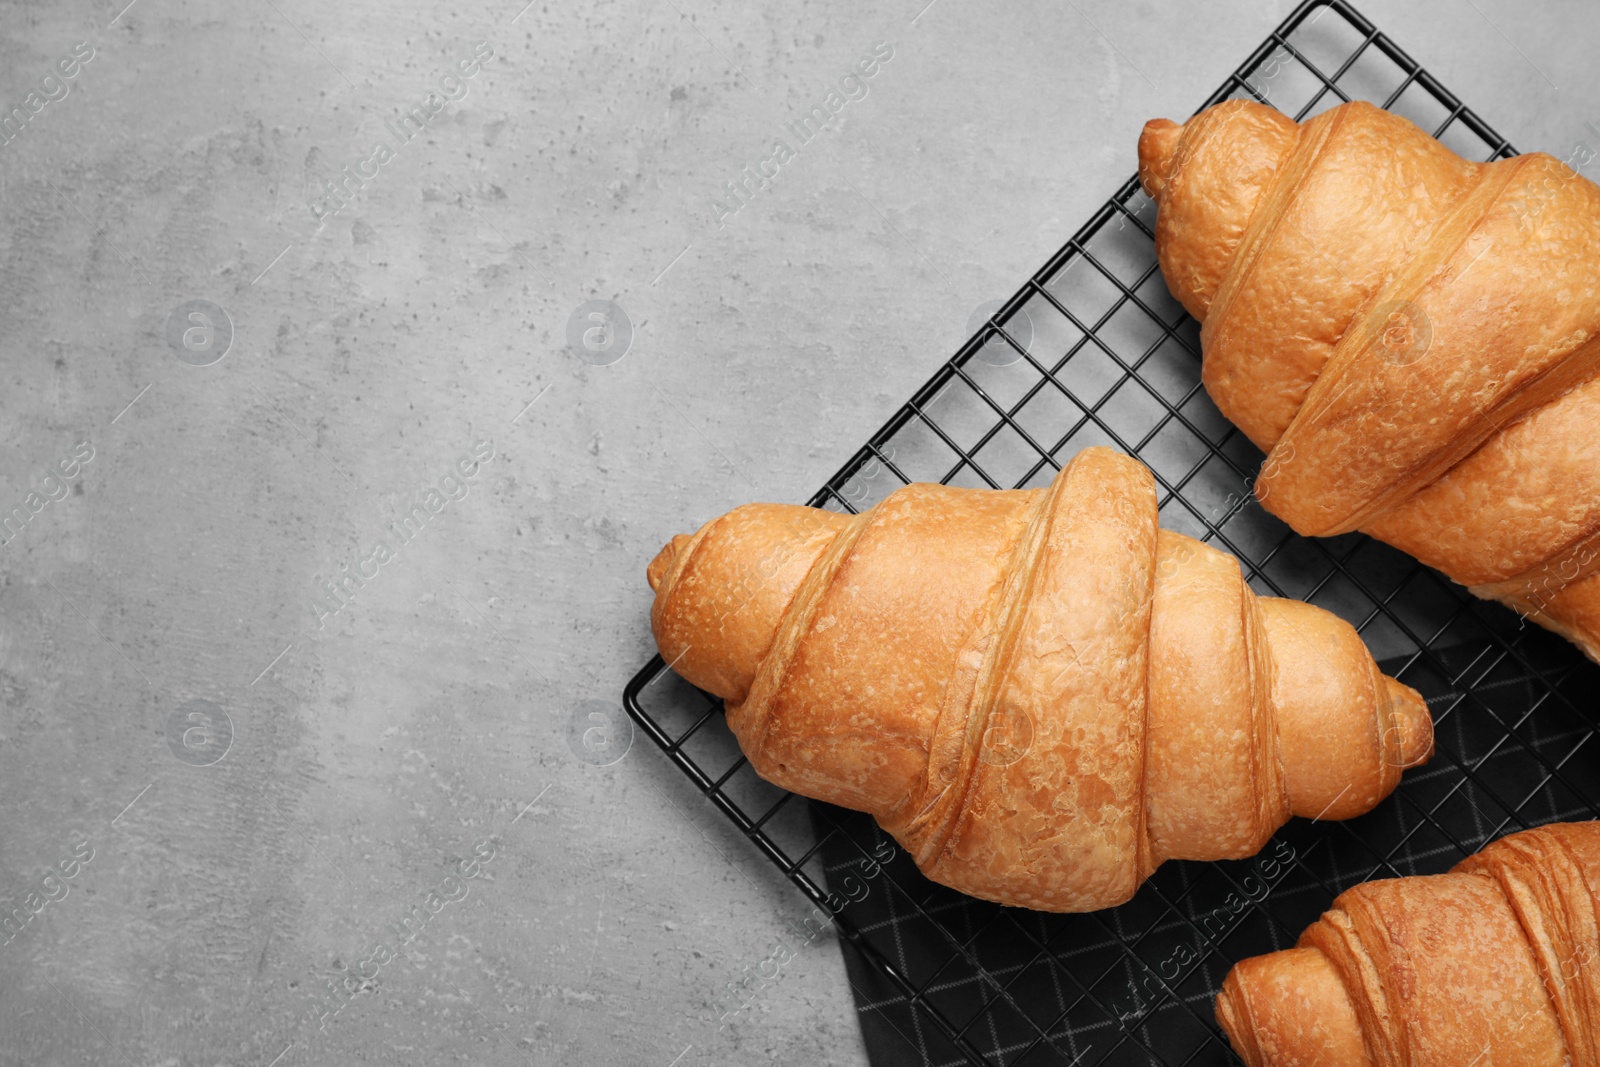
(377, 753)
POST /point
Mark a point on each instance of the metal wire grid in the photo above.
(1094, 350)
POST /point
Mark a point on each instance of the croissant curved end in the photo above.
(658, 566)
(1290, 1009)
(1411, 723)
(1157, 145)
(1233, 1016)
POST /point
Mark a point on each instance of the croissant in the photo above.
(1038, 693)
(1410, 336)
(1493, 964)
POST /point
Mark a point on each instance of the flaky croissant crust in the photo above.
(1495, 964)
(1039, 693)
(1413, 338)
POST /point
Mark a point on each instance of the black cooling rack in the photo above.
(1094, 350)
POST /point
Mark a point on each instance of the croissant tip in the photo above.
(1232, 1016)
(1290, 1009)
(657, 570)
(1158, 143)
(1412, 723)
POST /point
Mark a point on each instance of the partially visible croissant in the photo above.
(1496, 964)
(1413, 337)
(1039, 693)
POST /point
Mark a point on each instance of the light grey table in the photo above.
(269, 789)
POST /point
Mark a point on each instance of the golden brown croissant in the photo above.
(1039, 693)
(1413, 338)
(1494, 965)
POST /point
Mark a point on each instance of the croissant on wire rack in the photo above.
(1496, 964)
(1412, 337)
(1039, 693)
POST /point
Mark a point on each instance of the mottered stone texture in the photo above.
(294, 656)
